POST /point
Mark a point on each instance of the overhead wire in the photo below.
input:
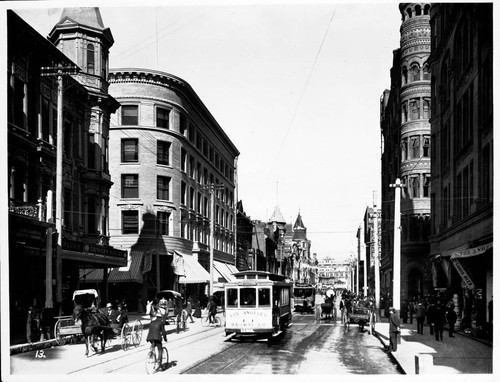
(306, 85)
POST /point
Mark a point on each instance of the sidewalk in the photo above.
(132, 316)
(423, 354)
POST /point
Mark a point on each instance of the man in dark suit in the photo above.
(394, 325)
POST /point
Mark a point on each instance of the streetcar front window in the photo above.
(247, 296)
(232, 297)
(264, 297)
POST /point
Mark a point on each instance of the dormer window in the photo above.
(90, 59)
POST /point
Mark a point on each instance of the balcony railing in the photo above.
(32, 210)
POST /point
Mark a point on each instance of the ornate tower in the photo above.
(415, 143)
(81, 36)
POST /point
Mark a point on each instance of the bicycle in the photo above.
(151, 360)
(215, 318)
(181, 321)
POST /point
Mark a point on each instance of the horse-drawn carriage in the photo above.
(169, 303)
(92, 323)
(328, 307)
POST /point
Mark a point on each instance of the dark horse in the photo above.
(94, 326)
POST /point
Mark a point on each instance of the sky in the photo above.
(295, 85)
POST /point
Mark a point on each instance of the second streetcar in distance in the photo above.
(304, 296)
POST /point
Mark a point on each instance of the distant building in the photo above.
(335, 274)
(461, 242)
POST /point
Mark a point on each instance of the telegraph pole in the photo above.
(59, 71)
(212, 189)
(396, 291)
(375, 257)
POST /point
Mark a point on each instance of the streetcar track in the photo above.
(217, 371)
(140, 348)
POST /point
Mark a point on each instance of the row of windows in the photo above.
(415, 73)
(415, 147)
(416, 186)
(194, 169)
(196, 201)
(415, 108)
(416, 10)
(130, 117)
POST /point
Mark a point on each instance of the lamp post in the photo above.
(212, 189)
(58, 71)
(396, 293)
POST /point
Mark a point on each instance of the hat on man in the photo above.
(108, 305)
(391, 309)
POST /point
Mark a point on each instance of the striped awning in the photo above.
(130, 273)
(225, 270)
(194, 272)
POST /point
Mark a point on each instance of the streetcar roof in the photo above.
(260, 275)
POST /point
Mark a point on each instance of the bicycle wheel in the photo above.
(125, 336)
(217, 321)
(151, 361)
(164, 359)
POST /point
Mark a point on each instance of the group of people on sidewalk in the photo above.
(437, 315)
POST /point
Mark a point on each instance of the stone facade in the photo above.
(405, 113)
(167, 151)
(461, 243)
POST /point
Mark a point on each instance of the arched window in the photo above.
(415, 147)
(404, 149)
(426, 9)
(415, 109)
(404, 75)
(418, 10)
(408, 11)
(404, 112)
(90, 59)
(427, 108)
(426, 73)
(415, 73)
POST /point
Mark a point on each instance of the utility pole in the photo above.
(365, 265)
(212, 189)
(396, 291)
(59, 71)
(376, 215)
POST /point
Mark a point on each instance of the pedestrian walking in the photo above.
(451, 317)
(189, 309)
(404, 311)
(31, 325)
(420, 316)
(411, 310)
(430, 313)
(197, 309)
(394, 325)
(439, 319)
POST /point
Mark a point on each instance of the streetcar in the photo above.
(257, 304)
(304, 296)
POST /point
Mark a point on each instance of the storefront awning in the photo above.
(130, 273)
(226, 270)
(194, 272)
(471, 251)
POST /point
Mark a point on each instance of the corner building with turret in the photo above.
(405, 112)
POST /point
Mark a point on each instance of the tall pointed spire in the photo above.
(277, 216)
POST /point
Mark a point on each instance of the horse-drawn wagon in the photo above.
(169, 304)
(92, 323)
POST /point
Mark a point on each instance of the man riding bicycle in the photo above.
(155, 335)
